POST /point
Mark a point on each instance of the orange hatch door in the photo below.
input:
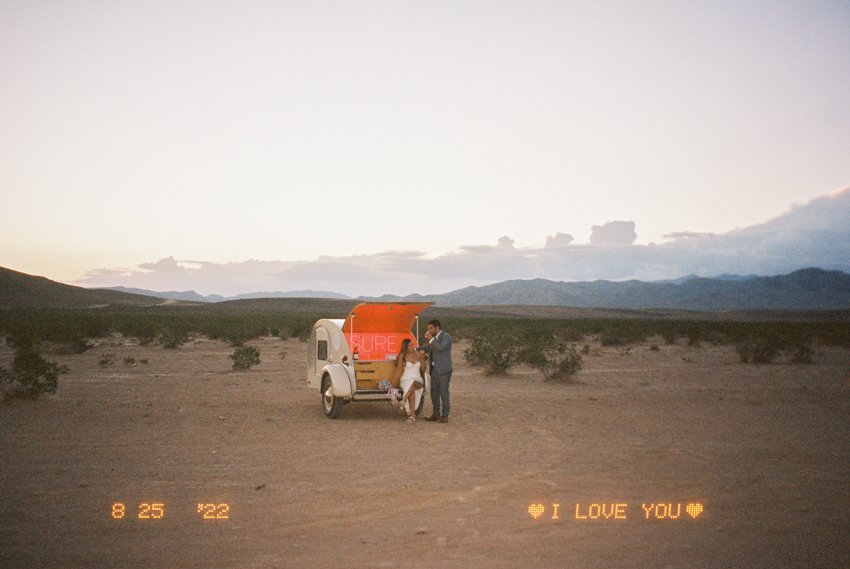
(376, 329)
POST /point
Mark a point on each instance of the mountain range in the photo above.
(192, 296)
(807, 289)
(20, 290)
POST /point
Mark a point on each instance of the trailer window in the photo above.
(322, 350)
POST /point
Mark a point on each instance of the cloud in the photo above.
(170, 274)
(559, 240)
(686, 235)
(814, 234)
(613, 233)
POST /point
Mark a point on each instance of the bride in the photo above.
(410, 370)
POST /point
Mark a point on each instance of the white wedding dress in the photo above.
(411, 374)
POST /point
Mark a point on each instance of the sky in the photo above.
(398, 147)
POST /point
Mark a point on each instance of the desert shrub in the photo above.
(282, 354)
(173, 338)
(106, 360)
(31, 375)
(570, 333)
(235, 330)
(757, 351)
(623, 333)
(744, 352)
(20, 339)
(303, 332)
(693, 331)
(549, 350)
(462, 329)
(654, 348)
(237, 337)
(585, 350)
(802, 354)
(558, 361)
(670, 336)
(80, 344)
(244, 357)
(143, 361)
(569, 363)
(611, 338)
(129, 361)
(496, 353)
(239, 324)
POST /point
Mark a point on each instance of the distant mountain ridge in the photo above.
(192, 296)
(806, 289)
(20, 290)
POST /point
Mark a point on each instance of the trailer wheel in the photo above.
(330, 405)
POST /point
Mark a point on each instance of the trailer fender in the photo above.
(340, 379)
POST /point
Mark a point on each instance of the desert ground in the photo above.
(675, 457)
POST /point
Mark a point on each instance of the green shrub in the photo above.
(173, 338)
(172, 325)
(31, 375)
(758, 351)
(245, 356)
(562, 363)
(552, 356)
(496, 353)
(611, 338)
(669, 336)
(570, 334)
(80, 344)
(621, 333)
(129, 361)
(802, 354)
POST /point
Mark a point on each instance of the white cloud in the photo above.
(613, 233)
(686, 235)
(559, 240)
(815, 234)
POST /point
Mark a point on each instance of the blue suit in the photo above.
(440, 351)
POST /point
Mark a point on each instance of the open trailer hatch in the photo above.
(355, 359)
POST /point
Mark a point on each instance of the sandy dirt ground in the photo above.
(680, 457)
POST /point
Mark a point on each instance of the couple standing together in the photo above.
(411, 365)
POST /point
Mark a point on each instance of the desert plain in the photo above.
(680, 456)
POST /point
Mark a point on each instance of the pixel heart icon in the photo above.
(694, 509)
(536, 510)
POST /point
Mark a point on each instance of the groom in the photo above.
(440, 349)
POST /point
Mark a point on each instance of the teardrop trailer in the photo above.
(355, 359)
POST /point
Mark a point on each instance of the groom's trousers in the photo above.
(440, 393)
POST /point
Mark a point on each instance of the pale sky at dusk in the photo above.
(294, 133)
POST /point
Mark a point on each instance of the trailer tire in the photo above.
(330, 405)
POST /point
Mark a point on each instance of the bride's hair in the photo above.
(403, 351)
